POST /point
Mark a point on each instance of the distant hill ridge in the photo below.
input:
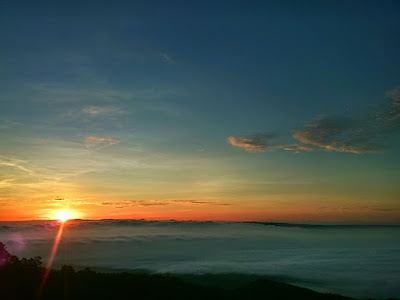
(7, 224)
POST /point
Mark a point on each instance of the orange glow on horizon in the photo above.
(263, 212)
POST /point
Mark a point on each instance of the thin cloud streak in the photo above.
(15, 163)
(102, 110)
(94, 143)
(256, 143)
(133, 203)
(167, 59)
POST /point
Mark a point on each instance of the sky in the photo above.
(282, 111)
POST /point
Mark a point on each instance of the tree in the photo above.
(5, 256)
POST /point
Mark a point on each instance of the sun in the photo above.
(64, 215)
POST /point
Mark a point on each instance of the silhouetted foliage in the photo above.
(4, 254)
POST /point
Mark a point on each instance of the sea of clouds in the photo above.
(358, 261)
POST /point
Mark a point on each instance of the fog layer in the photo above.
(358, 261)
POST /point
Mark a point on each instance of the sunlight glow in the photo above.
(64, 215)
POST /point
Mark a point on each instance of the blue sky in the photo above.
(201, 101)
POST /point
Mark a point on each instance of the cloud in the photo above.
(51, 94)
(5, 182)
(298, 147)
(259, 143)
(255, 143)
(22, 177)
(102, 110)
(335, 133)
(15, 163)
(100, 139)
(167, 59)
(196, 202)
(94, 142)
(131, 203)
(390, 114)
(6, 124)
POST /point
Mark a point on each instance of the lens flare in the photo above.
(63, 217)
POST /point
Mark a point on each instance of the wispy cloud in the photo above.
(6, 124)
(100, 101)
(67, 94)
(132, 203)
(167, 59)
(390, 114)
(196, 202)
(102, 110)
(94, 142)
(334, 133)
(15, 163)
(25, 178)
(5, 182)
(256, 143)
(337, 134)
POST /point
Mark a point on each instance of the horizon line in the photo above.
(278, 223)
